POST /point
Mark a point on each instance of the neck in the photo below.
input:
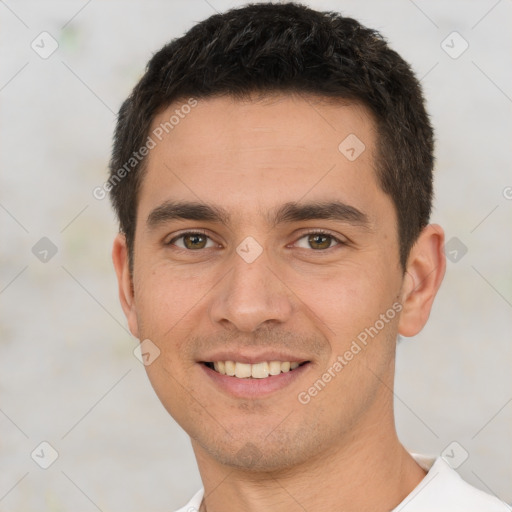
(371, 471)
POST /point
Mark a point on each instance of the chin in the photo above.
(263, 452)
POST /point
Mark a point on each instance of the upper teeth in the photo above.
(256, 371)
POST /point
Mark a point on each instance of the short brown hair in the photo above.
(287, 48)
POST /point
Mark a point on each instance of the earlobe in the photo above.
(425, 270)
(124, 281)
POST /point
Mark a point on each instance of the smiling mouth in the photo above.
(262, 370)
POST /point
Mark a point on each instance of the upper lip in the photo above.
(248, 358)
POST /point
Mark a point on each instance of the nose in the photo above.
(251, 295)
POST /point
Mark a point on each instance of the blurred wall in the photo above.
(68, 375)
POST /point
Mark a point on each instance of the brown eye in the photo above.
(318, 241)
(194, 241)
(190, 241)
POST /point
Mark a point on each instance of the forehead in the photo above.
(300, 124)
(257, 153)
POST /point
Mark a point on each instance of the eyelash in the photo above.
(311, 232)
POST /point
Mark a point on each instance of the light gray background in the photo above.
(67, 372)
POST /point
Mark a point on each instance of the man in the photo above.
(272, 175)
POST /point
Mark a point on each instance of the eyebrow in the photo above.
(286, 213)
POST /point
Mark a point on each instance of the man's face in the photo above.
(269, 281)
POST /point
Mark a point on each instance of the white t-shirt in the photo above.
(442, 490)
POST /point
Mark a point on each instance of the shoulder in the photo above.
(194, 504)
(443, 490)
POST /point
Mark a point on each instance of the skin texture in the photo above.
(339, 451)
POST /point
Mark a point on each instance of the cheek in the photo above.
(345, 300)
(355, 306)
(167, 300)
(174, 388)
(165, 296)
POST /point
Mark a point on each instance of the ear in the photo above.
(124, 281)
(425, 270)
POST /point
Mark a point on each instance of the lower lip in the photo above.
(254, 388)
